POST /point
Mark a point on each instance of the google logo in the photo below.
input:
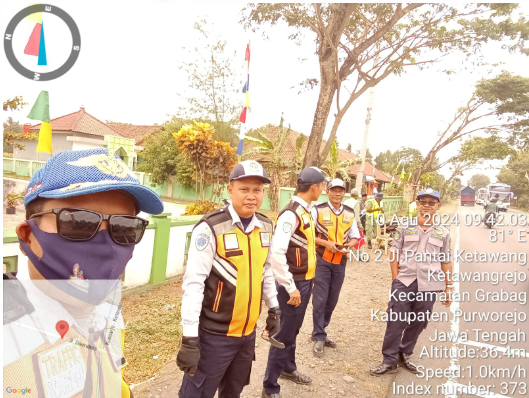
(22, 391)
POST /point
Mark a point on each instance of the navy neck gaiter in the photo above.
(88, 271)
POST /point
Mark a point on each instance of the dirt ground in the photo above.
(359, 341)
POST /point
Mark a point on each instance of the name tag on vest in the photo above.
(231, 241)
(62, 370)
(265, 239)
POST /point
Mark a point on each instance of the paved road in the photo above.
(502, 375)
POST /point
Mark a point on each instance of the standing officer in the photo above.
(411, 276)
(293, 260)
(374, 207)
(228, 274)
(336, 225)
(355, 204)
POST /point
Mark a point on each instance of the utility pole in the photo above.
(360, 173)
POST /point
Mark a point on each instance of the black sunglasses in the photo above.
(430, 203)
(81, 225)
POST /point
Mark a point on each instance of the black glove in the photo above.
(272, 321)
(188, 355)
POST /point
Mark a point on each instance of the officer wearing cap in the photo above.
(227, 276)
(336, 232)
(293, 253)
(419, 254)
(80, 231)
(374, 208)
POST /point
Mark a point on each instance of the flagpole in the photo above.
(243, 116)
(360, 173)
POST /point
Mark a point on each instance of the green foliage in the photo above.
(409, 158)
(13, 199)
(369, 156)
(291, 175)
(185, 172)
(8, 155)
(514, 174)
(200, 207)
(336, 167)
(478, 181)
(272, 150)
(160, 157)
(13, 127)
(397, 36)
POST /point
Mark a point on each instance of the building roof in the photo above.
(139, 133)
(79, 122)
(289, 151)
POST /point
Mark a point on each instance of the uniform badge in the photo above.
(347, 218)
(397, 235)
(254, 167)
(231, 242)
(62, 370)
(326, 216)
(287, 227)
(201, 241)
(439, 231)
(265, 239)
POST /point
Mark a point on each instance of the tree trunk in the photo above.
(327, 90)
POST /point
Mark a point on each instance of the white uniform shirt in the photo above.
(287, 223)
(33, 330)
(199, 264)
(353, 232)
(355, 205)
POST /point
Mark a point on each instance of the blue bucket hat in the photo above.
(75, 173)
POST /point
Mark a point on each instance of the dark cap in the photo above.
(249, 168)
(311, 175)
(379, 196)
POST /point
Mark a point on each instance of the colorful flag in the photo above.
(247, 55)
(41, 111)
(243, 116)
(374, 176)
(409, 178)
(396, 168)
(246, 86)
(402, 175)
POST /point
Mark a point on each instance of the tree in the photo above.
(504, 98)
(160, 157)
(478, 181)
(515, 173)
(14, 104)
(291, 175)
(213, 160)
(474, 152)
(334, 166)
(215, 88)
(369, 156)
(11, 126)
(272, 150)
(364, 43)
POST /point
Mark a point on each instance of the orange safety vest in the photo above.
(334, 228)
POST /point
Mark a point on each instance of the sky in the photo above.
(128, 71)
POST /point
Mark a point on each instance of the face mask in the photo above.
(88, 271)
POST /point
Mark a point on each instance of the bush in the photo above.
(8, 155)
(200, 207)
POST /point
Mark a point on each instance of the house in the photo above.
(290, 153)
(80, 130)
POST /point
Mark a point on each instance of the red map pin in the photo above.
(62, 327)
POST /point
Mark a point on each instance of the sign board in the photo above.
(408, 193)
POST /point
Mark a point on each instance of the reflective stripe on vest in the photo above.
(334, 228)
(301, 252)
(233, 289)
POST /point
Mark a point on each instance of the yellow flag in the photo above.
(247, 105)
(45, 138)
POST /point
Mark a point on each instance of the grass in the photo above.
(151, 330)
(8, 174)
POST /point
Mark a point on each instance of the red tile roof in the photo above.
(289, 151)
(139, 133)
(80, 122)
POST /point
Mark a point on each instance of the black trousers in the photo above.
(291, 321)
(325, 293)
(401, 335)
(225, 364)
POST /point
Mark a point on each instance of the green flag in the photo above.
(41, 109)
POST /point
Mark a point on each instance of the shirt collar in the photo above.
(301, 202)
(254, 223)
(334, 209)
